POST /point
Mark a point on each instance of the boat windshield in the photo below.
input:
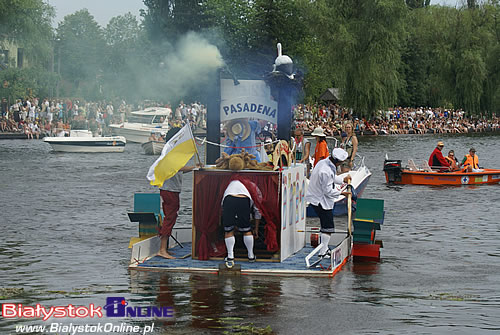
(148, 119)
(159, 119)
(141, 118)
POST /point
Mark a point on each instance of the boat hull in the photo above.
(136, 135)
(487, 176)
(87, 144)
(153, 147)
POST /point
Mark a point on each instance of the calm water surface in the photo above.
(65, 234)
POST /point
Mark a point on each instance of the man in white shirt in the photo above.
(321, 193)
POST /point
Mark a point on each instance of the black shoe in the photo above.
(252, 260)
(229, 262)
(327, 254)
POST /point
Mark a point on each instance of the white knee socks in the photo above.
(325, 238)
(248, 240)
(230, 246)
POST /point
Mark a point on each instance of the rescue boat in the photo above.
(425, 175)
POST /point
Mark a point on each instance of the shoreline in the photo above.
(23, 136)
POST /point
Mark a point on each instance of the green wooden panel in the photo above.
(147, 202)
(361, 225)
(370, 209)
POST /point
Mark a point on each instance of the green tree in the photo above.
(363, 43)
(27, 82)
(170, 19)
(124, 55)
(28, 24)
(81, 48)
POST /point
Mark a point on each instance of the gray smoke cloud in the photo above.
(187, 65)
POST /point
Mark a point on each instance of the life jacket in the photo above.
(473, 161)
(452, 162)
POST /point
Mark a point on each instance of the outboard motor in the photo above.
(392, 169)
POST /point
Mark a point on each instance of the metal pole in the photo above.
(285, 111)
(213, 120)
(58, 69)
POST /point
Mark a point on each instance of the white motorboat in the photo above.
(84, 141)
(153, 147)
(142, 123)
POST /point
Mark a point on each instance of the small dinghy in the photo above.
(153, 147)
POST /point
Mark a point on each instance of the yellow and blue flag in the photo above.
(175, 154)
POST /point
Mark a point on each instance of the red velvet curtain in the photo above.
(208, 191)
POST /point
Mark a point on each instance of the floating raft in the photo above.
(292, 266)
(293, 237)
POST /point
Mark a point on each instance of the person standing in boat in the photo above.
(321, 193)
(350, 144)
(302, 146)
(170, 202)
(321, 149)
(437, 160)
(470, 163)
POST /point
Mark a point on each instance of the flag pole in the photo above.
(195, 146)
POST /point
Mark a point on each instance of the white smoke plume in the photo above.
(187, 65)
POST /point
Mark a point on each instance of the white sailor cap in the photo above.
(339, 154)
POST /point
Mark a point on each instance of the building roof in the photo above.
(331, 94)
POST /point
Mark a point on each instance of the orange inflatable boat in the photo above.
(413, 175)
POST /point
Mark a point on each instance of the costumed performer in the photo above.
(321, 193)
(241, 134)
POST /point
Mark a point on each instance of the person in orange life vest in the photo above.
(321, 150)
(470, 162)
(437, 160)
(452, 160)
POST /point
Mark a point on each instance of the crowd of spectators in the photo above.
(397, 120)
(35, 117)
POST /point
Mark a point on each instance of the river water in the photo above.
(65, 234)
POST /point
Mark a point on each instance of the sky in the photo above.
(104, 10)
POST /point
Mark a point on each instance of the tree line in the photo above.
(379, 53)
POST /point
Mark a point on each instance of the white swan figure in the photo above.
(283, 63)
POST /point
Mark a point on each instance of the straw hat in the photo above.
(318, 132)
(238, 127)
(440, 144)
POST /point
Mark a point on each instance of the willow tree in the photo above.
(476, 72)
(363, 41)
